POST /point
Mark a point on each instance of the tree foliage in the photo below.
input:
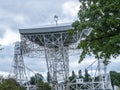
(103, 17)
(115, 78)
(10, 84)
(87, 76)
(80, 74)
(48, 77)
(73, 76)
(43, 86)
(37, 78)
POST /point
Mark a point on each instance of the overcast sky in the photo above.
(15, 14)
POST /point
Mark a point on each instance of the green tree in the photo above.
(73, 76)
(43, 86)
(72, 79)
(80, 74)
(115, 78)
(33, 80)
(10, 84)
(103, 17)
(48, 77)
(37, 78)
(87, 76)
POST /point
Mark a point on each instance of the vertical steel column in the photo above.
(19, 67)
(57, 59)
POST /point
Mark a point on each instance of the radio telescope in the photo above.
(54, 42)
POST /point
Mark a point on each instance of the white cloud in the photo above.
(4, 74)
(70, 8)
(9, 37)
(20, 19)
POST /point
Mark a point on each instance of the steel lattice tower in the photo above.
(54, 43)
(19, 67)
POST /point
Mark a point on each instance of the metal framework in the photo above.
(54, 43)
(19, 71)
(19, 67)
(99, 81)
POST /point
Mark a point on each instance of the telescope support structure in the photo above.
(54, 43)
(19, 66)
(56, 54)
(57, 61)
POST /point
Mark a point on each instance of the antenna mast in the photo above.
(56, 19)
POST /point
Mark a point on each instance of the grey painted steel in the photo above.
(19, 70)
(52, 32)
(103, 83)
(19, 66)
(46, 29)
(55, 42)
